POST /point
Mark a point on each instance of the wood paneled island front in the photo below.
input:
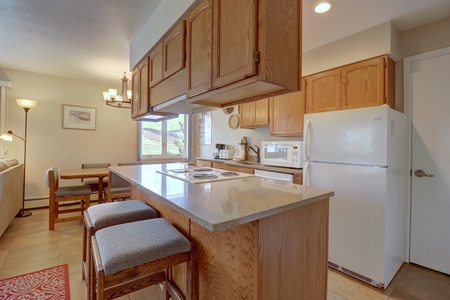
(253, 238)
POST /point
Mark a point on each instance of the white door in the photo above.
(428, 83)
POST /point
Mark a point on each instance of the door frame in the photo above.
(407, 98)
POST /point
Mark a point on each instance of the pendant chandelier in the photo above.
(122, 100)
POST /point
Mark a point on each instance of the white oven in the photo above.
(283, 154)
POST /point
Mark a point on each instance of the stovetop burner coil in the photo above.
(179, 171)
(204, 176)
(229, 174)
(202, 169)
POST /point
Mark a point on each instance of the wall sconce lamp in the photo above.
(26, 104)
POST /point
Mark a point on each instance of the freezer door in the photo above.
(355, 136)
(357, 216)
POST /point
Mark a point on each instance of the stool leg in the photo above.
(84, 251)
(168, 277)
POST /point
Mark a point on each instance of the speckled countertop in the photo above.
(222, 204)
(254, 165)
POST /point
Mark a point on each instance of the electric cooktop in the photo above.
(202, 174)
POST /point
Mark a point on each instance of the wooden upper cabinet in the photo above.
(323, 91)
(135, 96)
(363, 84)
(286, 115)
(199, 49)
(235, 41)
(254, 114)
(140, 89)
(240, 51)
(156, 65)
(174, 50)
(143, 88)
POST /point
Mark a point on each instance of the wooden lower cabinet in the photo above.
(227, 167)
(278, 257)
(298, 178)
(204, 163)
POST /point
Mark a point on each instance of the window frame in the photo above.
(164, 155)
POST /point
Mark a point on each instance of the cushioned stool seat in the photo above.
(109, 214)
(135, 255)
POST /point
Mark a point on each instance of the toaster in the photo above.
(226, 154)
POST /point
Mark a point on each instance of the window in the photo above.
(164, 138)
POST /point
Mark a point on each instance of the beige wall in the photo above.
(365, 44)
(223, 134)
(165, 16)
(114, 140)
(432, 36)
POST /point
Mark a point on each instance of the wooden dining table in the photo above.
(99, 173)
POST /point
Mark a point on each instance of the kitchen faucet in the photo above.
(258, 153)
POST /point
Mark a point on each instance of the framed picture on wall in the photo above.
(204, 128)
(79, 117)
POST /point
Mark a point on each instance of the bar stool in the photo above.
(132, 256)
(109, 214)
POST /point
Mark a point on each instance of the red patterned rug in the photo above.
(48, 284)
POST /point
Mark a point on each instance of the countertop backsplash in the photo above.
(223, 134)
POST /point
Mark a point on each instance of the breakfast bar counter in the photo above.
(253, 238)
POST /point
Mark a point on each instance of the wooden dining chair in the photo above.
(93, 183)
(117, 189)
(79, 194)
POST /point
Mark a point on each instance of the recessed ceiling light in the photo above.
(322, 7)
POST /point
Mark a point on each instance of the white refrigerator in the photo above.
(361, 154)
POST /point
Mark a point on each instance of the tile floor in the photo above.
(27, 245)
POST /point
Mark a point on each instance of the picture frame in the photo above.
(79, 117)
(204, 126)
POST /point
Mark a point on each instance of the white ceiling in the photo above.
(89, 39)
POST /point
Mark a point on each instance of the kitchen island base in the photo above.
(282, 256)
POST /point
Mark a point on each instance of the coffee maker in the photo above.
(219, 147)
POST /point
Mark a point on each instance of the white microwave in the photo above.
(283, 154)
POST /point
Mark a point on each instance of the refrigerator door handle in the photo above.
(305, 173)
(307, 142)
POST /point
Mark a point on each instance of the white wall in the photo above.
(223, 134)
(114, 140)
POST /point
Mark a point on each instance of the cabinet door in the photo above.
(235, 41)
(135, 93)
(143, 88)
(218, 165)
(287, 115)
(254, 114)
(174, 50)
(199, 49)
(246, 114)
(156, 65)
(261, 113)
(363, 83)
(204, 163)
(238, 169)
(323, 91)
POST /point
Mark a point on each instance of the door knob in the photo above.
(421, 173)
